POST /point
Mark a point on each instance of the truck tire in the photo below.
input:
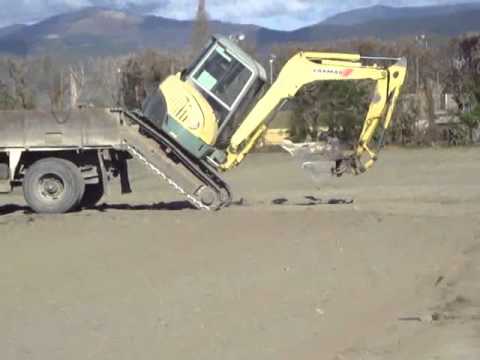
(53, 186)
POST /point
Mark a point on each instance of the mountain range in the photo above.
(101, 31)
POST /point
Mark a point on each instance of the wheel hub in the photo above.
(51, 186)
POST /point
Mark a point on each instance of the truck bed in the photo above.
(82, 128)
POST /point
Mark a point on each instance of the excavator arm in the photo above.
(308, 67)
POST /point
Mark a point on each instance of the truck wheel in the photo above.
(53, 186)
(93, 194)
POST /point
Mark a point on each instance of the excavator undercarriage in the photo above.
(196, 180)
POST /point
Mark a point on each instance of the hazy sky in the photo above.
(278, 14)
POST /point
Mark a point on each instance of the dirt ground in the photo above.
(277, 276)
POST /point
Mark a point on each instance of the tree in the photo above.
(464, 80)
(464, 73)
(23, 94)
(155, 67)
(133, 87)
(142, 74)
(201, 32)
(404, 128)
(109, 77)
(339, 106)
(77, 82)
(472, 121)
(57, 92)
(7, 102)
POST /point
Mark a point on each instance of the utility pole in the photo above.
(417, 72)
(272, 59)
(422, 42)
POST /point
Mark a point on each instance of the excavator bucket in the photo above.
(320, 160)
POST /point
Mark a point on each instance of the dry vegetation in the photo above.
(46, 82)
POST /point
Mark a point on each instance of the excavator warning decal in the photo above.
(347, 72)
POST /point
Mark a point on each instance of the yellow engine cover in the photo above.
(189, 108)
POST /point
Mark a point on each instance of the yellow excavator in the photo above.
(216, 110)
(220, 106)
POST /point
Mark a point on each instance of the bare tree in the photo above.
(78, 80)
(105, 83)
(133, 83)
(57, 92)
(200, 28)
(23, 94)
(463, 77)
(7, 102)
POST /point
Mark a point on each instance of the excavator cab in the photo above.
(202, 106)
(229, 79)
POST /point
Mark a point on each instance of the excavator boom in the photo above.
(309, 67)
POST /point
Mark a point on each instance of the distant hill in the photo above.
(379, 12)
(102, 31)
(10, 29)
(433, 25)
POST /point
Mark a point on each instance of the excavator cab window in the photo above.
(246, 105)
(223, 79)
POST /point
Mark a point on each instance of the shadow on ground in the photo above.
(182, 205)
(185, 205)
(313, 200)
(305, 201)
(12, 209)
(169, 206)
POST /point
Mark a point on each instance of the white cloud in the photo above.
(281, 14)
(243, 11)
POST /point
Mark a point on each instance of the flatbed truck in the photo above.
(64, 161)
